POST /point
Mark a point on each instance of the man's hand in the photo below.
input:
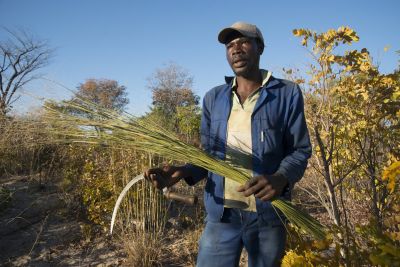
(166, 176)
(264, 187)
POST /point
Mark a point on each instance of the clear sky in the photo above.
(128, 40)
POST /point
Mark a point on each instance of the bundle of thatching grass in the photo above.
(87, 122)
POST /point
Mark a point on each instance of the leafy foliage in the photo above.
(171, 88)
(105, 93)
(353, 115)
(175, 105)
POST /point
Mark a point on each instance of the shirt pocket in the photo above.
(272, 140)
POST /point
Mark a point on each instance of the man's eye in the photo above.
(245, 41)
(240, 42)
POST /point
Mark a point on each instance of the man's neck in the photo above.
(247, 85)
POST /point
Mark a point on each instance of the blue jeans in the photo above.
(222, 242)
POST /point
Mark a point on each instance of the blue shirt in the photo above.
(280, 140)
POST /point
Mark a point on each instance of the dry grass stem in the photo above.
(86, 122)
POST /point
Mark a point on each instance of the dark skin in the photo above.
(243, 55)
(166, 176)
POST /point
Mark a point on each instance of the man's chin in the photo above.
(240, 71)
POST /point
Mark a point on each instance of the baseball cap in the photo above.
(246, 29)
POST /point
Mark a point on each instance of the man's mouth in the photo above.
(239, 59)
(239, 62)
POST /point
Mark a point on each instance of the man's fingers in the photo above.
(253, 181)
(146, 174)
(269, 195)
(248, 184)
(262, 187)
(263, 191)
(158, 181)
(241, 188)
(156, 171)
(155, 183)
(253, 189)
(155, 176)
(259, 187)
(161, 177)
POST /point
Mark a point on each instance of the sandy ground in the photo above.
(37, 229)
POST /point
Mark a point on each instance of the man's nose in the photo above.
(237, 48)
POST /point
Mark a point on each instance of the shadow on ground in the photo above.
(37, 229)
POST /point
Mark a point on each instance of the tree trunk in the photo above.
(332, 197)
(328, 180)
(375, 209)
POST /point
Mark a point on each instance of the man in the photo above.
(254, 121)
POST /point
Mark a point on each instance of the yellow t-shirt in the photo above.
(239, 145)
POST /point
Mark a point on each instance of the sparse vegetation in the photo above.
(351, 184)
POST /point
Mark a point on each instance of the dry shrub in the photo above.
(145, 249)
(25, 148)
(170, 247)
(175, 238)
(95, 175)
(184, 249)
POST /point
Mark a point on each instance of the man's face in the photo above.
(243, 55)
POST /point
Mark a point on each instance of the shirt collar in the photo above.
(265, 77)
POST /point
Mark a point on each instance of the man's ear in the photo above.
(260, 47)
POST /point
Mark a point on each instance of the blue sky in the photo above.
(128, 40)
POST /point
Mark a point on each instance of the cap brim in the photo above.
(222, 36)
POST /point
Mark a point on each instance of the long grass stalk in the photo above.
(84, 121)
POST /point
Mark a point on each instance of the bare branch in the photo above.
(22, 55)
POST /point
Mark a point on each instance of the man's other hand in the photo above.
(264, 187)
(166, 176)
